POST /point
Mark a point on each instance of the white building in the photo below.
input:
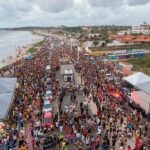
(124, 32)
(90, 44)
(144, 29)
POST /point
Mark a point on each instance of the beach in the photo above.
(14, 45)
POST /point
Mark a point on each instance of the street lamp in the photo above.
(78, 54)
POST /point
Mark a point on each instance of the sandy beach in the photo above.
(17, 55)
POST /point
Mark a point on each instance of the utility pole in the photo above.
(78, 56)
(71, 44)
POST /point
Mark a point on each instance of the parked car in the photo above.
(48, 81)
(48, 119)
(48, 95)
(49, 87)
(117, 81)
(47, 107)
(109, 77)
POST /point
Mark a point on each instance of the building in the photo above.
(125, 39)
(130, 39)
(92, 44)
(93, 35)
(86, 28)
(142, 40)
(144, 29)
(124, 32)
(127, 54)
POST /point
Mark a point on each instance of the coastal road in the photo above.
(67, 98)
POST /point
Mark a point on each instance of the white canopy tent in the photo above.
(144, 87)
(5, 102)
(143, 99)
(137, 79)
(140, 81)
(7, 87)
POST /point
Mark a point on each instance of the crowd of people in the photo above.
(118, 121)
(26, 110)
(115, 126)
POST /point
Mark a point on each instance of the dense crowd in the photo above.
(118, 122)
(74, 127)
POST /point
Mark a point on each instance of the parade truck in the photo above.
(67, 70)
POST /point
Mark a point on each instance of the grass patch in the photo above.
(39, 44)
(141, 64)
(32, 50)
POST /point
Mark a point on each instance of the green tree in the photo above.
(95, 42)
(103, 44)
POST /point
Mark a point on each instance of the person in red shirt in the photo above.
(129, 147)
(66, 129)
(137, 143)
(85, 132)
(129, 119)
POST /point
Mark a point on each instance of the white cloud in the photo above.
(138, 2)
(72, 12)
(106, 3)
(55, 5)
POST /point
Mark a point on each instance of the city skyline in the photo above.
(16, 13)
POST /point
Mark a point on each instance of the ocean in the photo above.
(10, 41)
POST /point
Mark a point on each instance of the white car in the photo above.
(109, 76)
(48, 95)
(48, 67)
(47, 107)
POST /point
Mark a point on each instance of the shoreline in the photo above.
(19, 53)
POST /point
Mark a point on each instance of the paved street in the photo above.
(80, 97)
(67, 98)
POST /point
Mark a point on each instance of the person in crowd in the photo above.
(74, 126)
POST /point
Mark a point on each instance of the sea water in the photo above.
(10, 41)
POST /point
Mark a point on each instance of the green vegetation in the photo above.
(73, 29)
(32, 50)
(95, 42)
(141, 64)
(39, 44)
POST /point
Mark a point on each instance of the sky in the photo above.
(18, 13)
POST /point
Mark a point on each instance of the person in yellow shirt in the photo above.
(64, 145)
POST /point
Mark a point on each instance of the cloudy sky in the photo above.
(17, 13)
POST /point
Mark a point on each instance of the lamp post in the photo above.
(78, 54)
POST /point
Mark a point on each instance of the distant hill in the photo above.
(68, 28)
(25, 28)
(75, 29)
